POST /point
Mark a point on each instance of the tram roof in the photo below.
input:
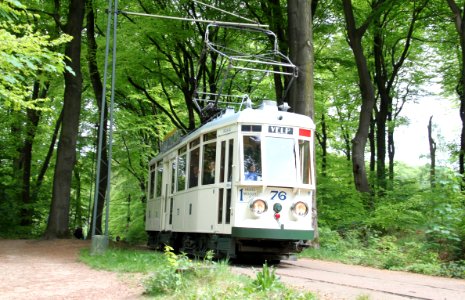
(267, 113)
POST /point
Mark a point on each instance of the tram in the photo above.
(241, 184)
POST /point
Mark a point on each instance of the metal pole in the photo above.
(112, 105)
(102, 116)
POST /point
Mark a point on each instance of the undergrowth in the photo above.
(385, 252)
(175, 276)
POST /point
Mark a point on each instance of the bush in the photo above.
(387, 252)
(455, 269)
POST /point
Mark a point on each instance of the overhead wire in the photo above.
(224, 11)
(124, 12)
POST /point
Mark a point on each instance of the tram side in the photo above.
(239, 185)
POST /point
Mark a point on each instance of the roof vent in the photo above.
(269, 105)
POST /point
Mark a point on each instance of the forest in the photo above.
(366, 60)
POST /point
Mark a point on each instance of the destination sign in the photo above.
(280, 130)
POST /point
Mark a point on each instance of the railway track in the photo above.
(338, 281)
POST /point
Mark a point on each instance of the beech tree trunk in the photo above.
(368, 98)
(33, 117)
(432, 154)
(301, 54)
(58, 223)
(300, 30)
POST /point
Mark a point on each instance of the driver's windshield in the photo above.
(270, 158)
(280, 159)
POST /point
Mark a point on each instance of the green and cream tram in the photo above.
(240, 185)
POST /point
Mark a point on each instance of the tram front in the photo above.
(273, 215)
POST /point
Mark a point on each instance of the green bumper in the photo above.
(274, 234)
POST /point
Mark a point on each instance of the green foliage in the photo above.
(180, 277)
(25, 55)
(266, 279)
(398, 216)
(411, 254)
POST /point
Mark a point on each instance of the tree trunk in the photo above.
(384, 107)
(48, 157)
(372, 145)
(301, 54)
(368, 99)
(432, 153)
(58, 223)
(33, 117)
(391, 153)
(300, 30)
(324, 145)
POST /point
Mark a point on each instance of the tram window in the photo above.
(220, 206)
(194, 143)
(182, 172)
(280, 159)
(159, 178)
(252, 158)
(228, 206)
(253, 128)
(230, 159)
(304, 154)
(194, 168)
(209, 155)
(223, 160)
(209, 136)
(173, 176)
(152, 183)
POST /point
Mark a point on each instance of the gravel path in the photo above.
(31, 269)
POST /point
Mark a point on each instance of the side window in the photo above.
(252, 158)
(230, 159)
(222, 160)
(194, 163)
(305, 163)
(209, 158)
(182, 161)
(152, 182)
(173, 175)
(209, 153)
(159, 178)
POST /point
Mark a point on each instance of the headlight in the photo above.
(258, 206)
(300, 209)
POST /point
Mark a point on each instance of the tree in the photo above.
(58, 223)
(28, 62)
(392, 46)
(355, 35)
(301, 53)
(459, 21)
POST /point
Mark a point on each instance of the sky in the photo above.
(411, 140)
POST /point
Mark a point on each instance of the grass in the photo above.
(175, 276)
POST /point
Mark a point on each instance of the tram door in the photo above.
(170, 167)
(224, 214)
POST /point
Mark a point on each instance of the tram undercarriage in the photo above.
(225, 246)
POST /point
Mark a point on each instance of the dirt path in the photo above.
(49, 270)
